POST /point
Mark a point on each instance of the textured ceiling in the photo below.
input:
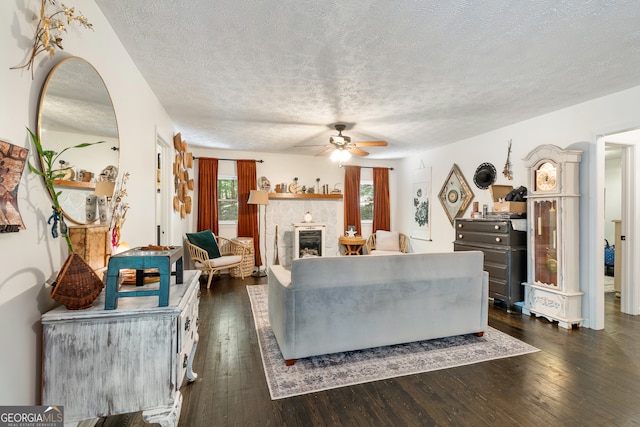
(272, 75)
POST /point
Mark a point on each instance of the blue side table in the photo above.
(141, 259)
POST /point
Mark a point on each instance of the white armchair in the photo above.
(387, 242)
(204, 247)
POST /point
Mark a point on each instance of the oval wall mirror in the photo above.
(75, 108)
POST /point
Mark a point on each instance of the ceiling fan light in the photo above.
(340, 155)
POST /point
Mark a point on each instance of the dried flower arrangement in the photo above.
(507, 166)
(118, 211)
(49, 31)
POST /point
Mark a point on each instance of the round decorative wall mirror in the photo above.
(75, 108)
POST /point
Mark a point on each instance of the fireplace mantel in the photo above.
(303, 196)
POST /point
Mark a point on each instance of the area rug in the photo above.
(335, 370)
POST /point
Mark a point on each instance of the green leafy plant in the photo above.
(49, 173)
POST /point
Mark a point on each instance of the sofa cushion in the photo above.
(387, 240)
(205, 240)
(379, 252)
(224, 260)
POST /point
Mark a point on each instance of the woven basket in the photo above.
(77, 285)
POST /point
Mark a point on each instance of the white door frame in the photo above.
(630, 292)
(163, 190)
(629, 284)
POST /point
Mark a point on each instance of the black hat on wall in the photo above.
(485, 176)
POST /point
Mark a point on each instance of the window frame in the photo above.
(227, 178)
(363, 220)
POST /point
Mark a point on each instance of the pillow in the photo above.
(387, 240)
(205, 240)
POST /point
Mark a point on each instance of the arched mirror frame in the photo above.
(78, 114)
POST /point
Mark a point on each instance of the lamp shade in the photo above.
(257, 197)
(105, 188)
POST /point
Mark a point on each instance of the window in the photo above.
(366, 201)
(228, 199)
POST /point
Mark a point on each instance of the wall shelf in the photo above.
(74, 184)
(289, 196)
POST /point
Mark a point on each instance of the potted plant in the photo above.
(76, 285)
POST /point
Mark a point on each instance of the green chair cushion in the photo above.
(205, 240)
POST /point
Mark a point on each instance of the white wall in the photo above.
(279, 168)
(31, 256)
(575, 127)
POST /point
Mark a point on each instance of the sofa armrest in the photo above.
(280, 275)
(280, 300)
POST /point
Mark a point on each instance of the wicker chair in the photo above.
(371, 243)
(232, 255)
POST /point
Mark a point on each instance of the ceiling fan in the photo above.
(342, 142)
(341, 147)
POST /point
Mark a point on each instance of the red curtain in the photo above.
(248, 214)
(352, 198)
(208, 194)
(381, 208)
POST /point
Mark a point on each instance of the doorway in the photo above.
(612, 218)
(163, 191)
(620, 200)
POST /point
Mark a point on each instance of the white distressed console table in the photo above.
(100, 362)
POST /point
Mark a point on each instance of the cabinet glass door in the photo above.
(545, 242)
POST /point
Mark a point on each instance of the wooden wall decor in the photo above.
(183, 184)
(455, 194)
(12, 160)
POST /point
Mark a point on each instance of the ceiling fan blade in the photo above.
(358, 151)
(325, 152)
(371, 144)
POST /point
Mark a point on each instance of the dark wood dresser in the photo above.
(505, 253)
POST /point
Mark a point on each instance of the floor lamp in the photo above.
(257, 197)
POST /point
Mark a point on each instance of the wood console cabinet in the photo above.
(505, 253)
(100, 362)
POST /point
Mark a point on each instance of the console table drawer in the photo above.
(486, 238)
(498, 288)
(497, 271)
(188, 320)
(500, 227)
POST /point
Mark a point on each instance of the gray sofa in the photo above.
(332, 304)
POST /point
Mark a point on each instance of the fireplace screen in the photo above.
(309, 241)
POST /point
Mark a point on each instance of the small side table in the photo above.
(140, 260)
(352, 245)
(248, 263)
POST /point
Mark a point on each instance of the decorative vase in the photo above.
(77, 285)
(308, 217)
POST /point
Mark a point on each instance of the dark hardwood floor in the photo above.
(581, 377)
